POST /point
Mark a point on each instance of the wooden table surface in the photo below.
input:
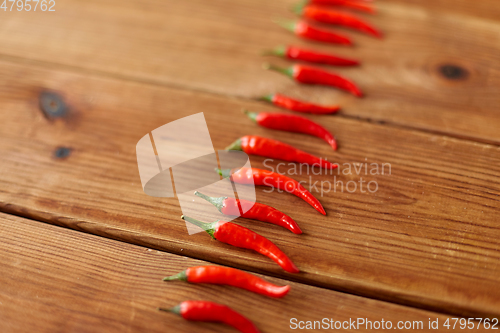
(425, 245)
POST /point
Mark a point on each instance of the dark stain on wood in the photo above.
(52, 105)
(62, 152)
(454, 72)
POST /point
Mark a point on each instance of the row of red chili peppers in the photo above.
(239, 236)
(210, 311)
(315, 10)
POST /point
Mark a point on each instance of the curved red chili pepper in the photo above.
(299, 106)
(292, 123)
(331, 16)
(253, 176)
(236, 235)
(231, 277)
(256, 145)
(213, 312)
(252, 210)
(307, 31)
(297, 53)
(313, 75)
(351, 4)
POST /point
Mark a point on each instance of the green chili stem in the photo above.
(179, 276)
(225, 173)
(217, 202)
(288, 25)
(299, 8)
(267, 98)
(176, 309)
(251, 115)
(287, 71)
(279, 51)
(236, 145)
(208, 227)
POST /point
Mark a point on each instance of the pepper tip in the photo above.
(285, 290)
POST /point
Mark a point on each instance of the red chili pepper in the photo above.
(213, 312)
(313, 75)
(292, 123)
(236, 235)
(231, 277)
(305, 30)
(297, 53)
(331, 16)
(256, 145)
(299, 106)
(252, 210)
(253, 176)
(359, 5)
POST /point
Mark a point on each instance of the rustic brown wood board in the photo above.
(214, 46)
(428, 238)
(87, 283)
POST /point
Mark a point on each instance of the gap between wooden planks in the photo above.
(214, 46)
(55, 279)
(428, 237)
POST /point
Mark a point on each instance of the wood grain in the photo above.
(482, 10)
(60, 280)
(214, 46)
(428, 237)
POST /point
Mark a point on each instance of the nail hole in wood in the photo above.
(62, 152)
(454, 72)
(52, 105)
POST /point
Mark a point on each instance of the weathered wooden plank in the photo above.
(56, 280)
(214, 46)
(486, 10)
(428, 237)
